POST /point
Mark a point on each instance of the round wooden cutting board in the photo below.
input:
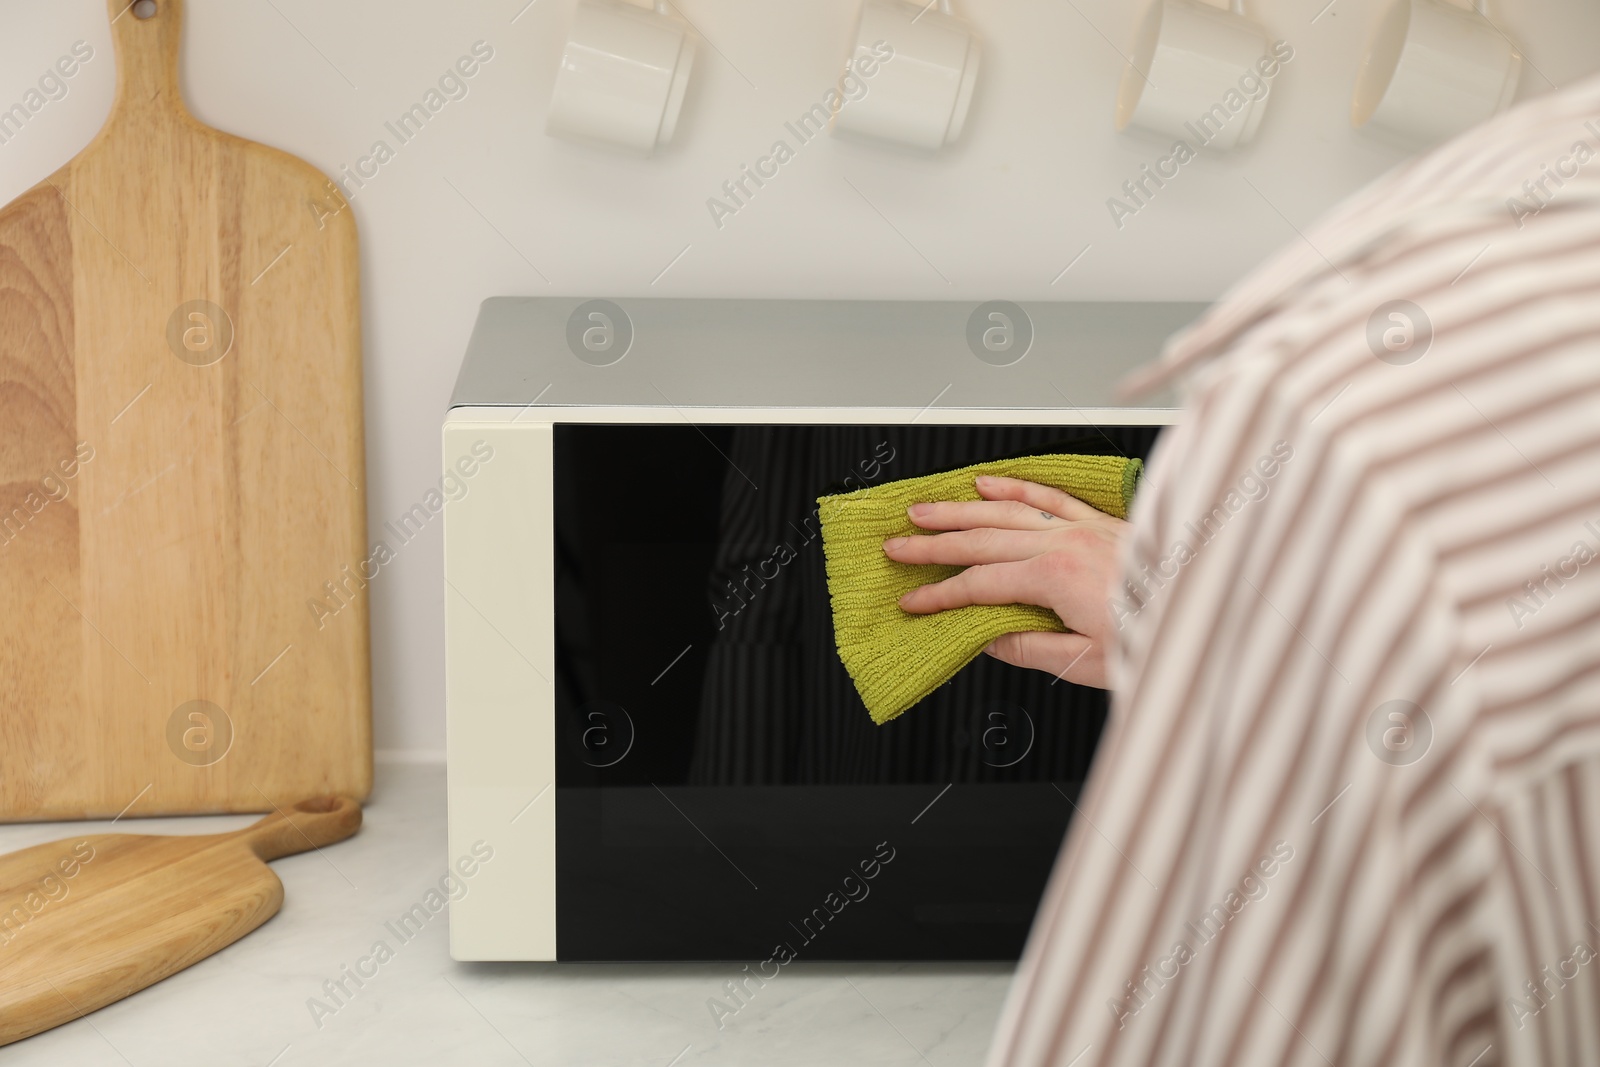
(92, 919)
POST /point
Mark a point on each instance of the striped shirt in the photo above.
(1347, 807)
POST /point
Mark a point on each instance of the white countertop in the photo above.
(249, 1004)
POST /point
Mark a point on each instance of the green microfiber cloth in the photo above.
(894, 657)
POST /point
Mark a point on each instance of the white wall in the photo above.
(998, 216)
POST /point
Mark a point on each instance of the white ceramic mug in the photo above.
(1192, 60)
(624, 70)
(924, 65)
(1434, 68)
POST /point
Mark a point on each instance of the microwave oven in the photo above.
(654, 752)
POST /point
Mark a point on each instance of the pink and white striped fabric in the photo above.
(1347, 808)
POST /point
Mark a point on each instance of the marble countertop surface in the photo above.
(253, 1003)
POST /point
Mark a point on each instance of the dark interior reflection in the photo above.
(717, 775)
(693, 623)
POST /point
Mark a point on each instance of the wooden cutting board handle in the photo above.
(309, 824)
(147, 57)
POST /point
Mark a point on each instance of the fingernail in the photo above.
(893, 543)
(984, 479)
(916, 511)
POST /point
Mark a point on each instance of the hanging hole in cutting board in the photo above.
(144, 9)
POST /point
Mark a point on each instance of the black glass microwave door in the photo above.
(718, 778)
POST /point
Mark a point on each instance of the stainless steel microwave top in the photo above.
(568, 351)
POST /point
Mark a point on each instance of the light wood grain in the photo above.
(206, 505)
(88, 920)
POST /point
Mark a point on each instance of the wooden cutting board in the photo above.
(181, 469)
(89, 920)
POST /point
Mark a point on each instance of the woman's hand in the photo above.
(1024, 543)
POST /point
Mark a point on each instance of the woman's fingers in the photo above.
(1009, 503)
(1070, 657)
(1037, 497)
(964, 548)
(977, 514)
(994, 583)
